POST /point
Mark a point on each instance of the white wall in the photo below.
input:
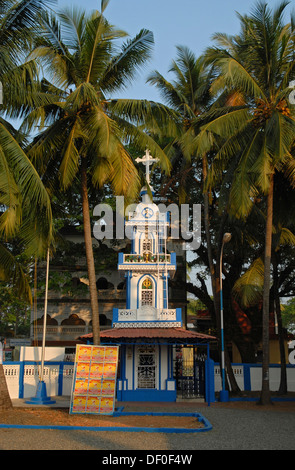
(34, 353)
(12, 374)
(256, 377)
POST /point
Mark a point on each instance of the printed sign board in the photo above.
(94, 383)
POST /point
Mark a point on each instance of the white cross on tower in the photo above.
(147, 160)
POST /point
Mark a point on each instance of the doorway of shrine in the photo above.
(189, 371)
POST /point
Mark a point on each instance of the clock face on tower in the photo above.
(147, 212)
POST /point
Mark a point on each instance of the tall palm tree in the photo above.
(84, 130)
(23, 198)
(189, 95)
(258, 132)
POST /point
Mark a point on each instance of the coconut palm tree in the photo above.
(84, 131)
(258, 131)
(23, 198)
(189, 95)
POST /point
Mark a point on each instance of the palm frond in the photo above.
(249, 287)
(26, 175)
(124, 66)
(71, 157)
(11, 271)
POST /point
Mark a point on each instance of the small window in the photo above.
(147, 292)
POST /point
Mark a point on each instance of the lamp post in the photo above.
(223, 395)
(41, 397)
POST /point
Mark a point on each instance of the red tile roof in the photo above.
(177, 334)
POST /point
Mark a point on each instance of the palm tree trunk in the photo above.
(89, 254)
(283, 383)
(207, 231)
(5, 401)
(265, 391)
(213, 273)
(283, 389)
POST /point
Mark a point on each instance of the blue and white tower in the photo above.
(146, 363)
(148, 267)
(147, 330)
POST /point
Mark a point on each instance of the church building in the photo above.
(147, 330)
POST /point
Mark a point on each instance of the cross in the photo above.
(147, 160)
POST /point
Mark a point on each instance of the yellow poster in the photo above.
(108, 387)
(106, 405)
(83, 354)
(83, 369)
(94, 387)
(111, 354)
(109, 370)
(95, 376)
(96, 371)
(93, 405)
(81, 387)
(98, 353)
(79, 404)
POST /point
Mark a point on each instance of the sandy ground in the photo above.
(61, 417)
(58, 415)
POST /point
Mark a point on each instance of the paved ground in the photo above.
(235, 427)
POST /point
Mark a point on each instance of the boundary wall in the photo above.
(22, 377)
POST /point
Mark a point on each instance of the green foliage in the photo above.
(14, 312)
(23, 198)
(85, 67)
(288, 315)
(227, 109)
(194, 305)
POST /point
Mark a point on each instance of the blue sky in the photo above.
(189, 23)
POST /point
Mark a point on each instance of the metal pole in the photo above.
(208, 376)
(224, 392)
(221, 321)
(41, 394)
(44, 319)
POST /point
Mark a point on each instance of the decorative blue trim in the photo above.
(165, 290)
(247, 377)
(21, 379)
(173, 258)
(60, 379)
(179, 315)
(209, 382)
(120, 258)
(144, 192)
(128, 276)
(115, 316)
(149, 394)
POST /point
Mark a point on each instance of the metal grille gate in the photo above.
(189, 372)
